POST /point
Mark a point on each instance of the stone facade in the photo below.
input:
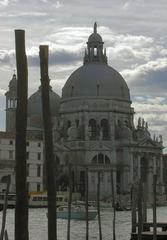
(93, 128)
(34, 162)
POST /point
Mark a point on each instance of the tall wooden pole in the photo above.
(140, 210)
(98, 206)
(5, 209)
(86, 204)
(134, 199)
(113, 202)
(48, 138)
(69, 203)
(154, 208)
(21, 209)
(144, 202)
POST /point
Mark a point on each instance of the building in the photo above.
(93, 128)
(34, 162)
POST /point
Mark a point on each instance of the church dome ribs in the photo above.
(95, 78)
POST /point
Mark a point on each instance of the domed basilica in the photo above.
(93, 128)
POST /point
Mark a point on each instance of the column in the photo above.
(139, 166)
(86, 129)
(161, 169)
(150, 178)
(131, 167)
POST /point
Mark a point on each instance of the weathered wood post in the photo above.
(69, 203)
(154, 208)
(98, 206)
(144, 202)
(5, 209)
(134, 203)
(48, 139)
(140, 216)
(6, 235)
(113, 203)
(86, 203)
(21, 208)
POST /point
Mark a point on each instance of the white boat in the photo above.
(78, 212)
(38, 199)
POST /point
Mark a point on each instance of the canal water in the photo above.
(38, 225)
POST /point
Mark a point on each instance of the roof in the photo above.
(96, 80)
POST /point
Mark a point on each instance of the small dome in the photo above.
(35, 103)
(96, 80)
(13, 82)
(95, 37)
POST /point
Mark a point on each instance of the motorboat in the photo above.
(39, 200)
(78, 212)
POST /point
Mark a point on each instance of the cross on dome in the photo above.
(95, 27)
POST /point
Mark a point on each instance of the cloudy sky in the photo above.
(134, 32)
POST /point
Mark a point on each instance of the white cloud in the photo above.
(133, 32)
(4, 2)
(28, 14)
(140, 72)
(58, 4)
(2, 92)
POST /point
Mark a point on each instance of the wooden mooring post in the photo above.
(48, 139)
(86, 203)
(69, 203)
(140, 209)
(21, 207)
(6, 235)
(5, 209)
(154, 208)
(113, 203)
(134, 204)
(145, 231)
(98, 206)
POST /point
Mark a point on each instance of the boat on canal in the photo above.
(78, 212)
(38, 199)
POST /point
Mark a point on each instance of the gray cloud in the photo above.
(133, 32)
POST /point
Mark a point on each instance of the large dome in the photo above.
(96, 80)
(35, 103)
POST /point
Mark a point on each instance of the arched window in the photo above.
(68, 123)
(94, 160)
(4, 179)
(100, 159)
(105, 128)
(107, 160)
(93, 128)
(77, 122)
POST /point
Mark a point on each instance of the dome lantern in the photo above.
(95, 51)
(96, 79)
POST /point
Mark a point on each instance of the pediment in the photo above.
(100, 146)
(146, 142)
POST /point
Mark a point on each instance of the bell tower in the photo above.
(11, 103)
(95, 52)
